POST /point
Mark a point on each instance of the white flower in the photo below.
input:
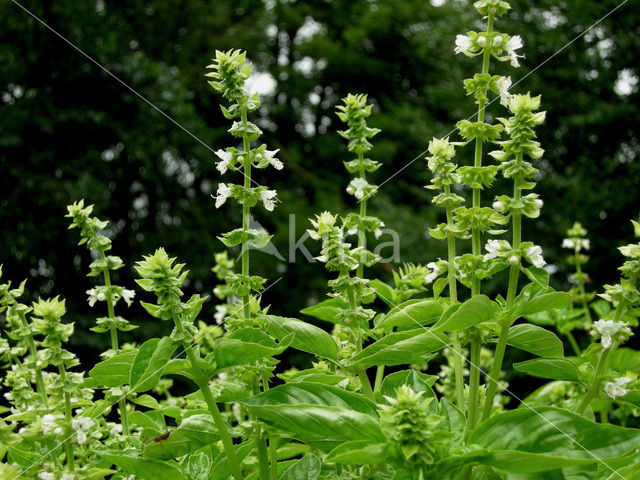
(499, 206)
(223, 193)
(534, 254)
(127, 296)
(568, 243)
(463, 44)
(48, 424)
(482, 40)
(68, 476)
(493, 249)
(497, 41)
(513, 260)
(586, 244)
(436, 270)
(352, 231)
(616, 388)
(377, 232)
(81, 425)
(267, 197)
(225, 160)
(93, 297)
(504, 84)
(512, 45)
(356, 187)
(115, 429)
(46, 476)
(221, 312)
(539, 203)
(269, 155)
(611, 330)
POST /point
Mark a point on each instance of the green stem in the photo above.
(223, 431)
(514, 273)
(476, 344)
(581, 292)
(574, 344)
(263, 453)
(68, 417)
(379, 378)
(453, 297)
(246, 212)
(122, 402)
(362, 374)
(273, 455)
(362, 236)
(31, 345)
(474, 386)
(595, 381)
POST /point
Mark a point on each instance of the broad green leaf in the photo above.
(454, 420)
(542, 303)
(193, 433)
(412, 314)
(114, 371)
(223, 391)
(326, 310)
(537, 275)
(153, 420)
(358, 452)
(383, 291)
(143, 468)
(221, 469)
(554, 368)
(417, 381)
(624, 359)
(23, 455)
(312, 375)
(318, 414)
(307, 468)
(473, 312)
(146, 401)
(229, 352)
(527, 441)
(151, 359)
(307, 393)
(401, 348)
(536, 340)
(308, 338)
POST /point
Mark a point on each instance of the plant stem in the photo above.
(453, 297)
(595, 381)
(203, 385)
(31, 345)
(362, 374)
(263, 452)
(514, 272)
(581, 292)
(474, 385)
(379, 378)
(574, 344)
(246, 212)
(362, 235)
(122, 402)
(273, 456)
(476, 344)
(67, 416)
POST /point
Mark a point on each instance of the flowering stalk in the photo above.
(439, 162)
(160, 275)
(229, 74)
(354, 113)
(521, 142)
(89, 227)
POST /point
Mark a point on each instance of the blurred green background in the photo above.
(69, 130)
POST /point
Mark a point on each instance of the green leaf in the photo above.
(114, 371)
(143, 468)
(527, 441)
(307, 468)
(151, 359)
(221, 469)
(553, 368)
(229, 352)
(401, 348)
(543, 303)
(537, 275)
(193, 433)
(320, 415)
(308, 338)
(358, 452)
(536, 340)
(417, 381)
(326, 310)
(146, 401)
(476, 310)
(412, 314)
(383, 291)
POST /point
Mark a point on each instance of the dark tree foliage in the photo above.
(70, 130)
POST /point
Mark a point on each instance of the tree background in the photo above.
(69, 130)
